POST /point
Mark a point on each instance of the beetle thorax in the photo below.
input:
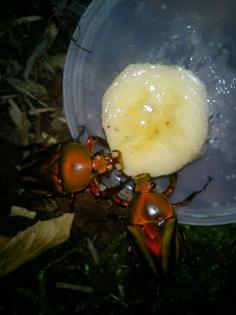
(147, 207)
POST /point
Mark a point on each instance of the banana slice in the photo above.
(157, 116)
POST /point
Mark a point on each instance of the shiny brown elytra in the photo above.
(68, 168)
(151, 222)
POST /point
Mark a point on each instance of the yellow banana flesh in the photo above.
(157, 116)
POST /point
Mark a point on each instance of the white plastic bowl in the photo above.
(196, 34)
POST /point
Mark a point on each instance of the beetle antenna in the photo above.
(81, 130)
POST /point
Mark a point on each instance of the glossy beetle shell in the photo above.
(152, 226)
(61, 168)
(75, 168)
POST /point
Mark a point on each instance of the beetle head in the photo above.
(143, 183)
(103, 163)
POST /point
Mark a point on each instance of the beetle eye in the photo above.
(152, 210)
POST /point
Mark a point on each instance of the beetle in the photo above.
(68, 168)
(155, 237)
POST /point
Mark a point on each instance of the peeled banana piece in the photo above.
(157, 116)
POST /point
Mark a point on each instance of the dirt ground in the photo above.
(92, 272)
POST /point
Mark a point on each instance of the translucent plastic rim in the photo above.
(97, 10)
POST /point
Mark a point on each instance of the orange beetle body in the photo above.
(152, 226)
(75, 167)
(68, 168)
(151, 222)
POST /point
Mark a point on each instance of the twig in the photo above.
(24, 87)
(93, 251)
(48, 37)
(117, 299)
(26, 19)
(74, 287)
(29, 103)
(38, 111)
(42, 275)
(5, 97)
(22, 212)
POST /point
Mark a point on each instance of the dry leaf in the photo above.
(28, 87)
(30, 243)
(26, 19)
(15, 113)
(47, 40)
(38, 111)
(3, 240)
(58, 60)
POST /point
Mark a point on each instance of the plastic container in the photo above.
(195, 34)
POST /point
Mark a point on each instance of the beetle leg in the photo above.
(119, 201)
(172, 184)
(72, 201)
(111, 192)
(94, 139)
(191, 196)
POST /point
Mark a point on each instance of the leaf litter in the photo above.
(30, 243)
(29, 111)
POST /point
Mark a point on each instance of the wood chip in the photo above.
(22, 212)
(74, 287)
(39, 111)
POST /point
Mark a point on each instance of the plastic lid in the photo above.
(194, 34)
